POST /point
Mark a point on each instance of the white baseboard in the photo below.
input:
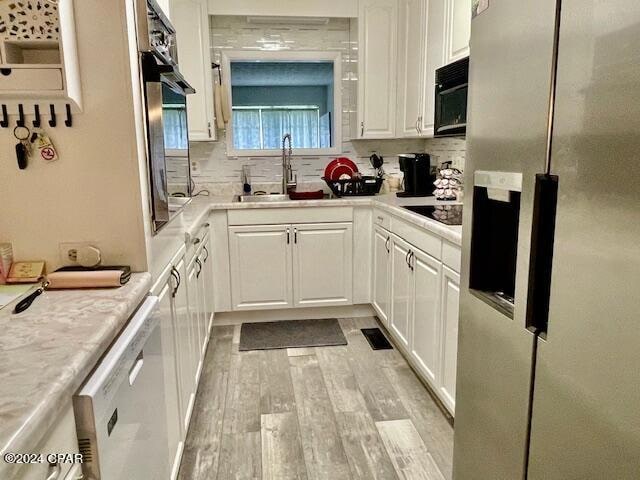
(236, 318)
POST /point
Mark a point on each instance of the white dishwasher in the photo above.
(121, 414)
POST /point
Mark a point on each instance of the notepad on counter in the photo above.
(25, 272)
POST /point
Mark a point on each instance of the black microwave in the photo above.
(452, 85)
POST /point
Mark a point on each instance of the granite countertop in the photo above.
(48, 351)
(390, 203)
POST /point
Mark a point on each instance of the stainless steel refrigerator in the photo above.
(549, 336)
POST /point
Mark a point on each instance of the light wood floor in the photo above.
(335, 413)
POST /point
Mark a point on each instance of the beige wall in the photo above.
(94, 191)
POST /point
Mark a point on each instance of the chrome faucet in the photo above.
(288, 181)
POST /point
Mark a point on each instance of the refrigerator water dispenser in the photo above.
(494, 238)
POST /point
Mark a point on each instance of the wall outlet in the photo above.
(69, 251)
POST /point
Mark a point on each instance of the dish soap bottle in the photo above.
(246, 179)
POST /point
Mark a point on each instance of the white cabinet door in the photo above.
(425, 311)
(191, 21)
(377, 76)
(322, 264)
(168, 333)
(184, 350)
(457, 29)
(401, 291)
(381, 273)
(260, 264)
(207, 282)
(203, 321)
(434, 59)
(411, 73)
(449, 336)
(194, 319)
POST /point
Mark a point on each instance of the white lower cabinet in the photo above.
(184, 349)
(425, 312)
(170, 363)
(260, 261)
(449, 313)
(296, 265)
(381, 273)
(401, 290)
(195, 319)
(423, 315)
(322, 264)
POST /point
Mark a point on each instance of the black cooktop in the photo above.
(447, 214)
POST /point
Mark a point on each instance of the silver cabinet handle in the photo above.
(54, 472)
(196, 241)
(295, 235)
(362, 129)
(199, 264)
(380, 218)
(418, 125)
(412, 257)
(406, 258)
(288, 237)
(386, 244)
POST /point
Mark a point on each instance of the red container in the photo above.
(317, 195)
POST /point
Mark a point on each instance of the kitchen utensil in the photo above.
(339, 167)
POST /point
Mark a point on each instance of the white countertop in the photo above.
(47, 352)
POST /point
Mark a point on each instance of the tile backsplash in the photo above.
(213, 170)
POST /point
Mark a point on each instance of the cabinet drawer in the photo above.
(382, 219)
(419, 237)
(274, 216)
(451, 256)
(32, 79)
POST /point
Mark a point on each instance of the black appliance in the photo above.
(452, 82)
(420, 171)
(447, 214)
(165, 102)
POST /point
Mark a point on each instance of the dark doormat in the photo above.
(291, 334)
(376, 339)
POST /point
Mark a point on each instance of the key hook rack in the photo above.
(37, 116)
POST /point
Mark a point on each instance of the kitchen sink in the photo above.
(274, 197)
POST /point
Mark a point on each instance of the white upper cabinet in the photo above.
(434, 59)
(457, 29)
(411, 62)
(322, 264)
(377, 35)
(191, 21)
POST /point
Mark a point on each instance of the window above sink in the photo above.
(275, 93)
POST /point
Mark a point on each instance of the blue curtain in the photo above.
(303, 126)
(174, 122)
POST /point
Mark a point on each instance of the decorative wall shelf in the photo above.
(38, 56)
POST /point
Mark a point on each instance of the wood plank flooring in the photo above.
(345, 412)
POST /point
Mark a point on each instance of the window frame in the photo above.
(230, 56)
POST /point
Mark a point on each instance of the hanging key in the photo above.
(23, 147)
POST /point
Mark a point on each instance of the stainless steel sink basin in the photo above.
(274, 197)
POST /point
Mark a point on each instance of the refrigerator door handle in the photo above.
(541, 256)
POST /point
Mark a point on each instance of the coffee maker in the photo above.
(420, 171)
